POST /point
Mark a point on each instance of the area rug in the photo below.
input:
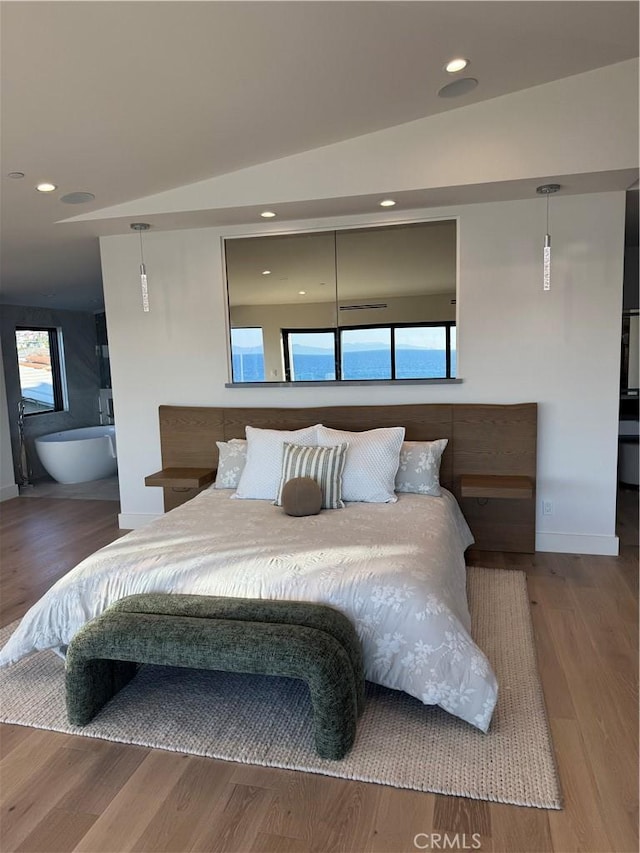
(267, 721)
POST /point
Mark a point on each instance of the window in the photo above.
(338, 282)
(309, 356)
(40, 369)
(247, 355)
(422, 352)
(366, 353)
(392, 351)
(453, 350)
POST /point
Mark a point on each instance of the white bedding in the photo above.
(397, 570)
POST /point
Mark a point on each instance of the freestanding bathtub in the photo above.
(79, 455)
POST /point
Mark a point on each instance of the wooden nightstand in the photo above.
(180, 484)
(496, 486)
(500, 510)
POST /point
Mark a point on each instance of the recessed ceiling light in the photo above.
(266, 272)
(267, 214)
(77, 198)
(455, 65)
(302, 292)
(15, 175)
(46, 187)
(462, 86)
(387, 202)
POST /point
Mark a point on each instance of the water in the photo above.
(363, 364)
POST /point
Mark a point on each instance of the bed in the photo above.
(397, 570)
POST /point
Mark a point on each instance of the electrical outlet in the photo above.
(547, 507)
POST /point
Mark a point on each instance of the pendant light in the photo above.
(547, 190)
(140, 227)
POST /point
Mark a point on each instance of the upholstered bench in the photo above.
(312, 642)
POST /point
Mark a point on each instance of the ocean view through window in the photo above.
(401, 351)
(418, 352)
(247, 355)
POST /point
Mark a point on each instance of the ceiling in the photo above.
(129, 99)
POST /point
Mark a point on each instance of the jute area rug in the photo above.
(267, 721)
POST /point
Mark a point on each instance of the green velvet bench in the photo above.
(296, 639)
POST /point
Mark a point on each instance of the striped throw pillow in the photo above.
(323, 464)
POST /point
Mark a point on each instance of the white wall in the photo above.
(515, 344)
(8, 487)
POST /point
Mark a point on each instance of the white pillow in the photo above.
(232, 457)
(372, 462)
(261, 476)
(419, 470)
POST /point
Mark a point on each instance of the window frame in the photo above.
(55, 354)
(337, 347)
(284, 337)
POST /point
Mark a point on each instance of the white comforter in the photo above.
(397, 570)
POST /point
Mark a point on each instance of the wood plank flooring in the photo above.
(65, 793)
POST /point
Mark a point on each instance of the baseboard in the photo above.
(9, 492)
(577, 543)
(133, 520)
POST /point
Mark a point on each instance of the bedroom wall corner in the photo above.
(560, 348)
(175, 353)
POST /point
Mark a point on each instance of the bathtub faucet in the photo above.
(24, 463)
(112, 445)
(105, 417)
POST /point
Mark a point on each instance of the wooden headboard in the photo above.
(483, 439)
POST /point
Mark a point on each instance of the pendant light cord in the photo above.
(547, 215)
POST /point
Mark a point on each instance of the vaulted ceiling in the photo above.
(128, 99)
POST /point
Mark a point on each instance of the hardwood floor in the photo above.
(63, 793)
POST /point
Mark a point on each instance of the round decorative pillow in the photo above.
(301, 496)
